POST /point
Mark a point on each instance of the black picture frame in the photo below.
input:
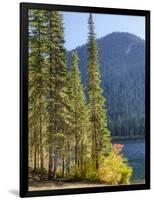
(24, 99)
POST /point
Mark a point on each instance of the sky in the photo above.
(76, 26)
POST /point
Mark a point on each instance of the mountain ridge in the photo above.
(122, 69)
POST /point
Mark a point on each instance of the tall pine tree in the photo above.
(57, 89)
(79, 115)
(100, 134)
(36, 64)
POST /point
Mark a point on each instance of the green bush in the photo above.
(114, 170)
(90, 170)
(74, 173)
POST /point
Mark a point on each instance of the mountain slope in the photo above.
(122, 67)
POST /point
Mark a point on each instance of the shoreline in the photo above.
(127, 138)
(53, 185)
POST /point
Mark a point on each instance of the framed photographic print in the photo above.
(84, 99)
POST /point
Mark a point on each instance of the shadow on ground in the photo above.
(14, 192)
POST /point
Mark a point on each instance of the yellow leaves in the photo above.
(114, 170)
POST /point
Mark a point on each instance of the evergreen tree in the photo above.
(100, 134)
(36, 62)
(79, 115)
(57, 94)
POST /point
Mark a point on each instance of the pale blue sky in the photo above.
(76, 27)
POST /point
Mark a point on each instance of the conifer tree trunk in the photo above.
(35, 149)
(41, 144)
(34, 158)
(76, 150)
(63, 165)
(68, 157)
(55, 165)
(50, 163)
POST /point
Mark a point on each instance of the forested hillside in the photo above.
(122, 57)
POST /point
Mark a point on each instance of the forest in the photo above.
(69, 137)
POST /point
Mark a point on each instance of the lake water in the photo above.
(134, 151)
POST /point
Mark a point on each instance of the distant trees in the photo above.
(68, 134)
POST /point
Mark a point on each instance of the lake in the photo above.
(134, 151)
